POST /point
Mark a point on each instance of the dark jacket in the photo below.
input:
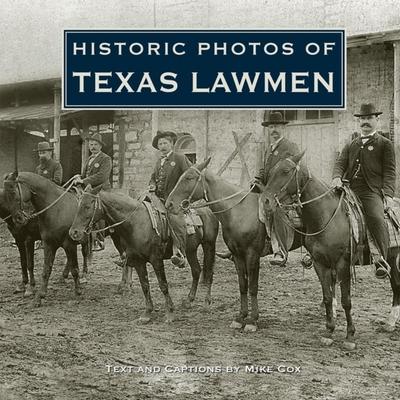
(165, 177)
(285, 148)
(98, 172)
(377, 163)
(52, 170)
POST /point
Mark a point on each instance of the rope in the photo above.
(326, 225)
(34, 215)
(5, 219)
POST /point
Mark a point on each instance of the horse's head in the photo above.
(285, 179)
(16, 195)
(89, 209)
(190, 187)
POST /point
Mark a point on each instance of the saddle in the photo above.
(359, 231)
(158, 216)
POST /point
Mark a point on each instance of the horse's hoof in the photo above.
(144, 320)
(29, 291)
(389, 328)
(349, 345)
(83, 280)
(20, 288)
(250, 328)
(37, 302)
(187, 304)
(326, 341)
(78, 292)
(169, 318)
(236, 325)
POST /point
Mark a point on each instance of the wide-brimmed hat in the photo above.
(163, 134)
(274, 118)
(97, 137)
(367, 109)
(44, 146)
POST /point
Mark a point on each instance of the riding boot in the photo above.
(382, 268)
(279, 255)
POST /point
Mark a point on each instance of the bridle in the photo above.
(186, 204)
(298, 203)
(99, 206)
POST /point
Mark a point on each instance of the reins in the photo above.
(98, 206)
(186, 203)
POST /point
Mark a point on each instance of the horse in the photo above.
(130, 219)
(55, 209)
(243, 232)
(25, 238)
(327, 238)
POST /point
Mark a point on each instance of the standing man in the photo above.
(169, 167)
(368, 162)
(96, 172)
(48, 167)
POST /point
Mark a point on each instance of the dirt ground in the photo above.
(94, 348)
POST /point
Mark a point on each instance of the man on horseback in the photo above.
(279, 148)
(168, 169)
(368, 163)
(96, 171)
(48, 167)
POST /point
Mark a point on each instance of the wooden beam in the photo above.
(396, 107)
(233, 154)
(85, 147)
(245, 175)
(121, 151)
(57, 120)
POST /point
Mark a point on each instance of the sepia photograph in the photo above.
(218, 218)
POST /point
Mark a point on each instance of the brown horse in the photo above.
(327, 239)
(56, 209)
(242, 230)
(25, 238)
(143, 244)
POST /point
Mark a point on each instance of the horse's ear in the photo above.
(296, 159)
(204, 164)
(11, 176)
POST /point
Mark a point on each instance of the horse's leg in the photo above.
(158, 265)
(253, 268)
(71, 250)
(20, 288)
(49, 252)
(326, 283)
(240, 265)
(141, 270)
(394, 316)
(208, 267)
(122, 284)
(30, 251)
(87, 260)
(196, 269)
(343, 269)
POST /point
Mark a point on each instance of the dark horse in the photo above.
(56, 209)
(242, 230)
(25, 238)
(327, 239)
(143, 244)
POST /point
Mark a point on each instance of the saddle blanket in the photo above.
(158, 217)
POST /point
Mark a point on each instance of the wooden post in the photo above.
(396, 107)
(57, 127)
(121, 151)
(84, 136)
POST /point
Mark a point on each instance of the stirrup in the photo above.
(280, 262)
(307, 261)
(382, 269)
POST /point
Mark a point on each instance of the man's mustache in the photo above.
(366, 124)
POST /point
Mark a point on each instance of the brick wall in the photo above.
(369, 79)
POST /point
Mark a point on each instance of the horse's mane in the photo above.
(120, 200)
(29, 177)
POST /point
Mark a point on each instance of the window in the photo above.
(187, 146)
(319, 114)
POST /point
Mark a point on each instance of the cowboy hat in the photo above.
(163, 134)
(367, 109)
(97, 137)
(44, 146)
(274, 118)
